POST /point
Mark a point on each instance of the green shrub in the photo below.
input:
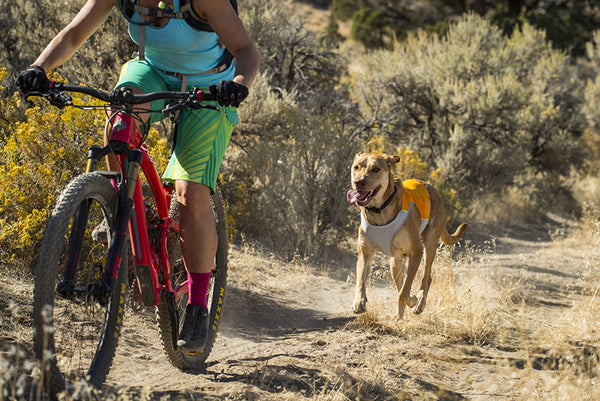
(291, 55)
(492, 112)
(286, 175)
(288, 185)
(366, 27)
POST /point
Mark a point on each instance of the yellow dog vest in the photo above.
(413, 193)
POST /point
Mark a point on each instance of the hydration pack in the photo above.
(151, 14)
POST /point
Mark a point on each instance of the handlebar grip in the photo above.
(205, 96)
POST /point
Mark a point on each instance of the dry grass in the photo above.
(489, 330)
(466, 304)
(474, 302)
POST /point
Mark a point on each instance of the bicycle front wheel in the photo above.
(170, 311)
(79, 301)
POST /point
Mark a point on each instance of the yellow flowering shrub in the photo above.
(38, 156)
(159, 149)
(41, 150)
(377, 142)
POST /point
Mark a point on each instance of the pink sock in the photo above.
(198, 288)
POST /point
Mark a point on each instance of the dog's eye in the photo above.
(356, 167)
(376, 169)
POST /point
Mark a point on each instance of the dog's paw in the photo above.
(411, 301)
(419, 308)
(421, 302)
(360, 307)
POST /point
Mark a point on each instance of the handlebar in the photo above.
(58, 96)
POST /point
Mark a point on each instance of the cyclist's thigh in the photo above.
(202, 137)
(139, 76)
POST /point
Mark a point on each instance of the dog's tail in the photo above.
(451, 239)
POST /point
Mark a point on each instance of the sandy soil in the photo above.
(288, 331)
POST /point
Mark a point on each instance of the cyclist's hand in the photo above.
(33, 79)
(229, 93)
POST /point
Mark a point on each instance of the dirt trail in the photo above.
(283, 315)
(288, 332)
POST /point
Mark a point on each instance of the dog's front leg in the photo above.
(366, 252)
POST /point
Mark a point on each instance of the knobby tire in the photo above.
(170, 325)
(60, 319)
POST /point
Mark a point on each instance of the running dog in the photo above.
(400, 219)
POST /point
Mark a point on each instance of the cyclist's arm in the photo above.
(67, 41)
(227, 24)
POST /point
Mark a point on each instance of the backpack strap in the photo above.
(159, 12)
(194, 19)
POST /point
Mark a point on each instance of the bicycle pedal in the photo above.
(65, 288)
(144, 276)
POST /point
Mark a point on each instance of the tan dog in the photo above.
(399, 222)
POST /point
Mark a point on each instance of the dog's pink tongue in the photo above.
(352, 196)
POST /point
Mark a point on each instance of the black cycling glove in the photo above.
(33, 79)
(229, 93)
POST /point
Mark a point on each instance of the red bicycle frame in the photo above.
(150, 257)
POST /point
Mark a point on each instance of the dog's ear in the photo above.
(391, 159)
(358, 156)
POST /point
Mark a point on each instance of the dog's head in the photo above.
(371, 175)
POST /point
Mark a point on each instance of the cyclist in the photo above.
(176, 52)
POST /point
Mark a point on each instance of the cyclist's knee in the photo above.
(192, 194)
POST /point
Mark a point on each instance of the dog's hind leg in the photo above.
(430, 251)
(398, 270)
(365, 256)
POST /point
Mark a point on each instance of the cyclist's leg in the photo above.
(202, 138)
(198, 245)
(168, 324)
(197, 227)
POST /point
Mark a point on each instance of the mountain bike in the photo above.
(85, 269)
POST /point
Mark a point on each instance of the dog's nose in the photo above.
(359, 184)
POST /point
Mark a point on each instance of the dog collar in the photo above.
(385, 204)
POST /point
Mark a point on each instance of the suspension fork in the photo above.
(124, 210)
(131, 160)
(80, 219)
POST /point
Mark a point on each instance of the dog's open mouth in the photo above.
(361, 198)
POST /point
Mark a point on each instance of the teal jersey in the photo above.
(177, 47)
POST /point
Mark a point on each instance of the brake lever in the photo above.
(205, 106)
(61, 100)
(190, 104)
(173, 107)
(57, 98)
(121, 96)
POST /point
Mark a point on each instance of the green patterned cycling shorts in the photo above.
(202, 135)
